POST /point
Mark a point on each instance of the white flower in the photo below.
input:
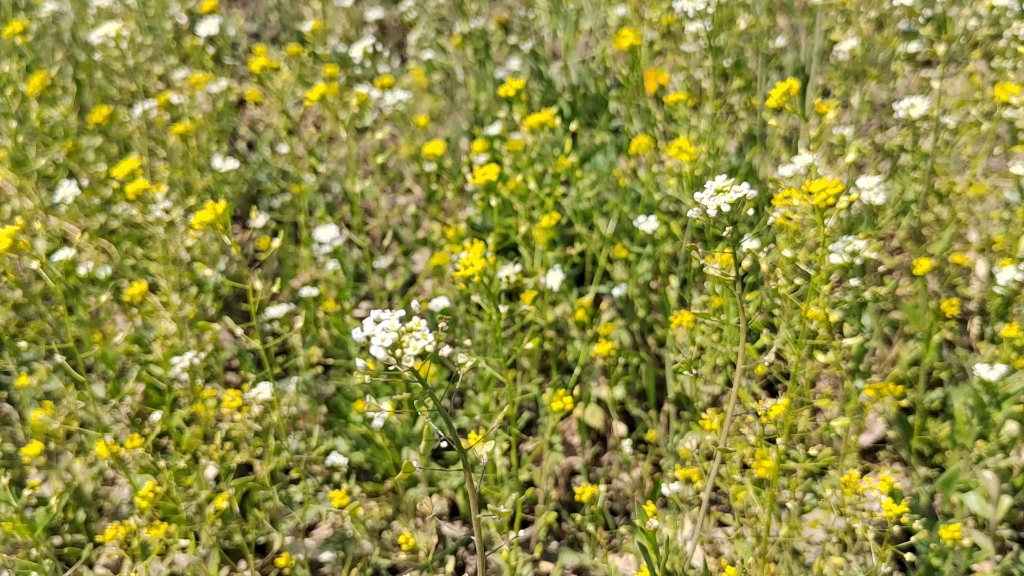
(335, 460)
(67, 190)
(990, 372)
(850, 249)
(719, 195)
(328, 233)
(674, 487)
(222, 163)
(309, 292)
(360, 47)
(1016, 168)
(208, 26)
(106, 32)
(508, 273)
(276, 311)
(619, 290)
(62, 254)
(493, 129)
(390, 340)
(749, 244)
(647, 223)
(439, 303)
(261, 392)
(841, 51)
(386, 408)
(873, 190)
(912, 107)
(1009, 274)
(257, 219)
(374, 14)
(553, 278)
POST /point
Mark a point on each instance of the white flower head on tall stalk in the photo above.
(392, 340)
(647, 223)
(990, 372)
(721, 195)
(912, 107)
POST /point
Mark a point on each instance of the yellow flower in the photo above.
(359, 406)
(1011, 330)
(99, 114)
(284, 561)
(472, 261)
(231, 401)
(339, 498)
(763, 464)
(1006, 92)
(419, 77)
(7, 235)
(951, 533)
(221, 501)
(259, 61)
(711, 420)
(654, 78)
(14, 28)
(31, 450)
(542, 231)
(779, 96)
(823, 192)
(892, 511)
(209, 214)
(643, 571)
(133, 441)
(776, 410)
(36, 83)
(135, 292)
(527, 297)
(22, 380)
(585, 493)
(676, 98)
(42, 414)
(316, 93)
(116, 531)
(604, 348)
(208, 6)
(544, 119)
(511, 87)
(619, 251)
(605, 330)
(626, 38)
(125, 168)
(651, 509)
(440, 258)
(682, 319)
(824, 106)
(421, 120)
(384, 81)
(651, 436)
(681, 149)
(293, 49)
(560, 402)
(434, 149)
(479, 146)
(136, 187)
(147, 494)
(850, 484)
(950, 307)
(157, 529)
(486, 174)
(640, 144)
(406, 541)
(331, 70)
(690, 474)
(103, 449)
(922, 266)
(253, 95)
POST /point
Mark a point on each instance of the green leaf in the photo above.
(948, 480)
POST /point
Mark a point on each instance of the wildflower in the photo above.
(135, 188)
(676, 98)
(384, 81)
(776, 410)
(222, 163)
(990, 372)
(116, 531)
(99, 114)
(1011, 330)
(511, 86)
(951, 533)
(125, 168)
(626, 38)
(209, 214)
(208, 6)
(31, 450)
(471, 262)
(339, 498)
(850, 484)
(883, 390)
(316, 93)
(421, 120)
(156, 530)
(604, 348)
(14, 28)
(527, 297)
(486, 174)
(823, 106)
(36, 83)
(960, 259)
(913, 107)
(208, 26)
(763, 464)
(682, 318)
(22, 381)
(619, 251)
(871, 190)
(406, 541)
(553, 278)
(7, 236)
(681, 150)
(892, 511)
(651, 509)
(654, 78)
(640, 144)
(285, 562)
(711, 420)
(585, 492)
(691, 474)
(221, 501)
(921, 266)
(823, 192)
(259, 61)
(560, 402)
(149, 492)
(335, 460)
(134, 441)
(433, 149)
(643, 571)
(1003, 92)
(546, 118)
(720, 194)
(778, 97)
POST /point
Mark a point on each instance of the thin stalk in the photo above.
(737, 377)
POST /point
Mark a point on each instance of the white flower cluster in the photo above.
(990, 372)
(326, 237)
(66, 192)
(647, 223)
(181, 364)
(912, 107)
(391, 340)
(850, 249)
(1009, 274)
(873, 190)
(719, 195)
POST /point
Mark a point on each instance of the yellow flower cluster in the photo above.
(546, 118)
(146, 495)
(560, 402)
(779, 96)
(823, 192)
(210, 213)
(682, 318)
(511, 86)
(585, 492)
